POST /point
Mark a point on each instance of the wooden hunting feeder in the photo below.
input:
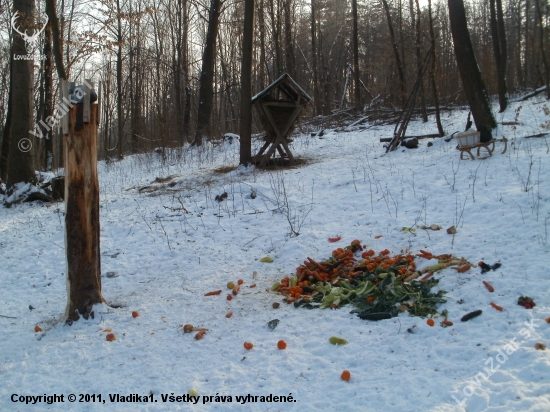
(279, 105)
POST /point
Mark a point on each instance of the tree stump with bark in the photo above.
(82, 211)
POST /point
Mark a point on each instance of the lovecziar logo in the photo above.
(31, 41)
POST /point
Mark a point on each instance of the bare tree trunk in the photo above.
(542, 51)
(120, 108)
(325, 76)
(289, 49)
(432, 72)
(261, 23)
(137, 115)
(48, 99)
(57, 38)
(396, 53)
(246, 84)
(472, 82)
(226, 83)
(177, 70)
(134, 69)
(526, 59)
(417, 40)
(5, 150)
(21, 155)
(503, 52)
(185, 66)
(275, 30)
(206, 92)
(356, 73)
(499, 50)
(69, 33)
(314, 58)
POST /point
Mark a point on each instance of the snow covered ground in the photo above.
(164, 244)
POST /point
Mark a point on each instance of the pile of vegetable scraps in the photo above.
(377, 284)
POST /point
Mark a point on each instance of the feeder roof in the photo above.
(288, 86)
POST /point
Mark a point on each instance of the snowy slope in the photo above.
(165, 244)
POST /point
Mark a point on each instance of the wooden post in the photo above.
(82, 213)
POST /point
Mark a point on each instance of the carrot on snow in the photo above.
(499, 308)
(489, 287)
(334, 239)
(215, 292)
(424, 254)
(429, 275)
(463, 268)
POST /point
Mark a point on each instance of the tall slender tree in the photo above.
(120, 107)
(290, 61)
(47, 101)
(472, 82)
(206, 93)
(57, 38)
(398, 63)
(261, 27)
(22, 151)
(246, 84)
(498, 34)
(5, 149)
(356, 73)
(415, 20)
(432, 71)
(542, 48)
(317, 108)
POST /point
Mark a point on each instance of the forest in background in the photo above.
(148, 56)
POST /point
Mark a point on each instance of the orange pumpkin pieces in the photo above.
(135, 314)
(248, 345)
(281, 344)
(346, 375)
(240, 281)
(37, 329)
(200, 335)
(110, 337)
(229, 297)
(430, 322)
(229, 314)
